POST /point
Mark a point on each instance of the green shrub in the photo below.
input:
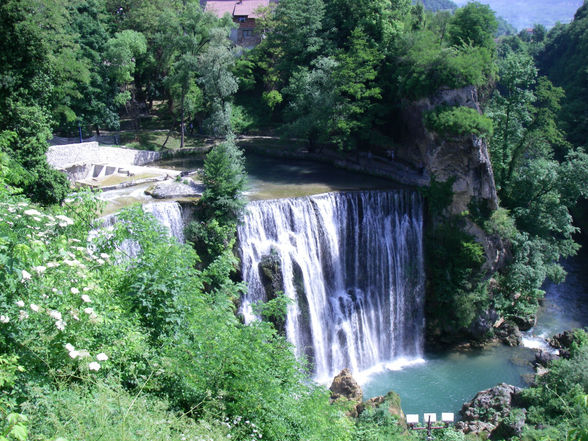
(454, 121)
(107, 412)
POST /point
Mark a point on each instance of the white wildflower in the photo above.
(74, 315)
(104, 256)
(74, 240)
(94, 366)
(20, 303)
(74, 354)
(55, 314)
(52, 264)
(32, 212)
(89, 311)
(25, 275)
(23, 315)
(100, 261)
(70, 347)
(75, 290)
(83, 354)
(101, 356)
(86, 298)
(60, 324)
(40, 268)
(4, 319)
(35, 307)
(87, 288)
(65, 221)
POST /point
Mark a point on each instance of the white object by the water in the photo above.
(447, 417)
(432, 417)
(412, 418)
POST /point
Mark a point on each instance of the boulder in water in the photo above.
(345, 386)
(176, 189)
(543, 358)
(525, 322)
(509, 334)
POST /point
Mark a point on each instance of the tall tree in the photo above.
(473, 24)
(188, 33)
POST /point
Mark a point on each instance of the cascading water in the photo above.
(352, 263)
(168, 214)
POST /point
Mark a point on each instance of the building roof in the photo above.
(220, 7)
(241, 8)
(249, 7)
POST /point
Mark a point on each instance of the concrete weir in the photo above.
(89, 164)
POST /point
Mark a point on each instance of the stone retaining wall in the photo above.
(64, 156)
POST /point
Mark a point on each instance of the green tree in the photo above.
(311, 100)
(224, 177)
(381, 20)
(473, 24)
(218, 83)
(357, 91)
(188, 33)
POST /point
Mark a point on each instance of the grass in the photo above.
(154, 139)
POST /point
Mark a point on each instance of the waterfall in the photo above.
(352, 265)
(168, 214)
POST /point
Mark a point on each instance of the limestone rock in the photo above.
(563, 342)
(543, 358)
(176, 189)
(345, 386)
(488, 408)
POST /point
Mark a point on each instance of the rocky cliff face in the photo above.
(462, 158)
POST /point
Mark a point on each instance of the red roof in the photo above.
(242, 8)
(220, 7)
(248, 7)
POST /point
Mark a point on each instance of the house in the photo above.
(244, 13)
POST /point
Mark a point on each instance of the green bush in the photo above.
(453, 121)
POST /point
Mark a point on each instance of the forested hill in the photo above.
(437, 5)
(564, 59)
(526, 13)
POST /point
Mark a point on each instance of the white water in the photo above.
(168, 214)
(352, 263)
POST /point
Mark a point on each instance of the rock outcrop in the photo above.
(345, 386)
(463, 159)
(488, 409)
(185, 188)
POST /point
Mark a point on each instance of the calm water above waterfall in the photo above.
(352, 263)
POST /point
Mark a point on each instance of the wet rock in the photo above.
(270, 272)
(185, 188)
(543, 358)
(509, 334)
(562, 342)
(345, 386)
(525, 322)
(488, 408)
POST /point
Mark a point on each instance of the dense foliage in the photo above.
(126, 334)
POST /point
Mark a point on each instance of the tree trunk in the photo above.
(182, 126)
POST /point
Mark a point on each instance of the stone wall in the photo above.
(65, 156)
